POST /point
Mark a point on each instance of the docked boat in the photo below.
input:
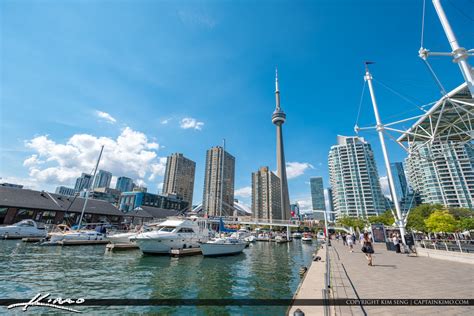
(250, 238)
(297, 235)
(281, 239)
(223, 246)
(180, 233)
(129, 237)
(23, 229)
(321, 236)
(65, 233)
(307, 237)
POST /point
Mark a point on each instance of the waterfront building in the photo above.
(354, 178)
(179, 177)
(266, 195)
(130, 201)
(278, 118)
(102, 179)
(219, 175)
(124, 184)
(443, 173)
(330, 208)
(11, 185)
(62, 190)
(51, 208)
(104, 194)
(317, 197)
(83, 182)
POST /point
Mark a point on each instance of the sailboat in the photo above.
(63, 233)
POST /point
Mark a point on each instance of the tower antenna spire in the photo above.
(277, 91)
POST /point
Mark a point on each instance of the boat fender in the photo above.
(316, 258)
(303, 270)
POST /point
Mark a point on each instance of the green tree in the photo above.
(354, 222)
(385, 218)
(460, 213)
(466, 223)
(417, 216)
(441, 221)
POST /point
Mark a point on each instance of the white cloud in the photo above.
(165, 121)
(296, 169)
(131, 154)
(244, 192)
(189, 122)
(106, 116)
(305, 203)
(385, 187)
(28, 183)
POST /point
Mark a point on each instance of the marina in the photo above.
(89, 270)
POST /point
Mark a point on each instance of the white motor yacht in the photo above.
(65, 233)
(129, 236)
(223, 246)
(22, 229)
(297, 235)
(307, 237)
(178, 233)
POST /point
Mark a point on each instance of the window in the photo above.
(167, 229)
(24, 214)
(3, 214)
(186, 230)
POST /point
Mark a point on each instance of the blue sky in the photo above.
(149, 78)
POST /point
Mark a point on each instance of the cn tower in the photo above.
(278, 118)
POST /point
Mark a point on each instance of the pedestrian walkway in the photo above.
(397, 276)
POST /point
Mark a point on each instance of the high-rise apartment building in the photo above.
(354, 178)
(102, 179)
(83, 182)
(330, 207)
(219, 181)
(443, 173)
(124, 184)
(179, 177)
(317, 197)
(266, 195)
(62, 190)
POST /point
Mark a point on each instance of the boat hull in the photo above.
(209, 249)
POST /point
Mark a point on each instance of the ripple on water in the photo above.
(264, 271)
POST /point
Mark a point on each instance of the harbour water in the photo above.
(263, 271)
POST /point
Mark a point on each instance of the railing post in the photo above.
(446, 245)
(459, 244)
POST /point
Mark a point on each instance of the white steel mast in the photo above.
(460, 54)
(380, 128)
(91, 188)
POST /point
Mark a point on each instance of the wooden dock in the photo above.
(185, 252)
(82, 242)
(121, 247)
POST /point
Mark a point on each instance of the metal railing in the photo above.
(457, 245)
(327, 280)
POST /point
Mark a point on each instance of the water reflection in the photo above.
(265, 270)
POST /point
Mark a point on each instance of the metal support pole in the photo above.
(92, 187)
(380, 128)
(459, 53)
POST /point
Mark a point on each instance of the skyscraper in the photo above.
(83, 182)
(317, 197)
(266, 195)
(278, 118)
(443, 173)
(102, 179)
(354, 178)
(399, 180)
(219, 162)
(330, 213)
(179, 177)
(124, 184)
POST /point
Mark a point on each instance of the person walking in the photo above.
(344, 239)
(368, 249)
(350, 243)
(396, 242)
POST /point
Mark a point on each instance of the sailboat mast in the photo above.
(222, 176)
(92, 187)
